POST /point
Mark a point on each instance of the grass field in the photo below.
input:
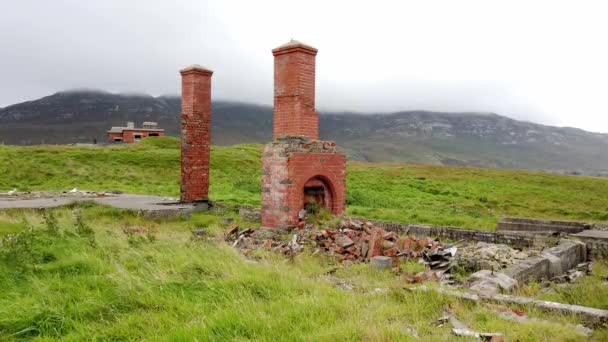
(457, 196)
(72, 274)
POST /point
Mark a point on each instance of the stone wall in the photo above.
(537, 225)
(596, 242)
(552, 262)
(452, 233)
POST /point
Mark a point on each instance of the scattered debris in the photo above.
(356, 241)
(421, 276)
(353, 241)
(381, 262)
(198, 234)
(593, 316)
(572, 275)
(460, 329)
(490, 282)
(342, 285)
(131, 230)
(488, 256)
(519, 316)
(275, 240)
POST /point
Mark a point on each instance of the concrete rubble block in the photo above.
(571, 253)
(534, 268)
(596, 242)
(381, 262)
(555, 264)
(375, 242)
(344, 241)
(489, 282)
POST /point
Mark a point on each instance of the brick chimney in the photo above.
(298, 172)
(195, 133)
(294, 91)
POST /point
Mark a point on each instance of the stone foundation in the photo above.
(537, 226)
(452, 233)
(552, 262)
(596, 242)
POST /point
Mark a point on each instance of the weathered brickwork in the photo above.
(297, 169)
(195, 133)
(289, 165)
(294, 91)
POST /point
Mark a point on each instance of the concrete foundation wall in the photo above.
(552, 262)
(452, 233)
(533, 225)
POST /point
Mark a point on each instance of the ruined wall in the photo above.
(195, 133)
(287, 165)
(538, 225)
(453, 233)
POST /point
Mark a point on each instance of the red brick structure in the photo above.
(195, 133)
(294, 91)
(130, 134)
(298, 170)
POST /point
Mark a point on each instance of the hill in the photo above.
(486, 140)
(442, 195)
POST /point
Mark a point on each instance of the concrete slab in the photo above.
(595, 234)
(150, 206)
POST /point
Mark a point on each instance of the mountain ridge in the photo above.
(418, 136)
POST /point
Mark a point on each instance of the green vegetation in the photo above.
(456, 196)
(590, 290)
(73, 274)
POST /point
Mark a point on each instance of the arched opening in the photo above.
(318, 194)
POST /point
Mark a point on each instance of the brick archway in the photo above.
(319, 190)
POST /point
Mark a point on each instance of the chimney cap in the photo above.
(196, 68)
(294, 45)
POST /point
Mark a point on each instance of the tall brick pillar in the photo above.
(298, 171)
(195, 133)
(294, 91)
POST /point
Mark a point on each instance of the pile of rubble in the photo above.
(275, 240)
(351, 241)
(359, 241)
(488, 256)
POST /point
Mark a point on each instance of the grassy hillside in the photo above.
(73, 275)
(459, 196)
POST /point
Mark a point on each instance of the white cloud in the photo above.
(541, 61)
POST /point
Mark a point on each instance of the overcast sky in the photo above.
(541, 61)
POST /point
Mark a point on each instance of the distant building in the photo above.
(130, 134)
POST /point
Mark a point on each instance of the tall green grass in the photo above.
(458, 196)
(61, 281)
